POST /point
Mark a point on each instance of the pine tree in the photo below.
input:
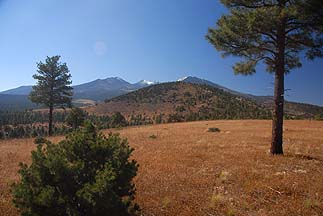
(275, 32)
(52, 88)
(85, 174)
(118, 120)
(76, 117)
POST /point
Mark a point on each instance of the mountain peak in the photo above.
(113, 79)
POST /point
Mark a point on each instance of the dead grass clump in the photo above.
(223, 177)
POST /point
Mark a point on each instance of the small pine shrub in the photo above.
(318, 117)
(153, 136)
(213, 129)
(85, 174)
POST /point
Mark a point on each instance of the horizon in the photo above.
(156, 41)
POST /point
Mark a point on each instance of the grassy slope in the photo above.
(189, 171)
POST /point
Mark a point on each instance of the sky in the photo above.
(157, 40)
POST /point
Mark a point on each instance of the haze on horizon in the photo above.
(151, 40)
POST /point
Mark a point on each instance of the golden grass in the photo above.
(186, 170)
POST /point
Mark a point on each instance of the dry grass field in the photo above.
(186, 170)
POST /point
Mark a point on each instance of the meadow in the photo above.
(187, 170)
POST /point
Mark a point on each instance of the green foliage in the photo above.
(53, 80)
(76, 117)
(40, 140)
(27, 131)
(28, 117)
(318, 117)
(118, 120)
(28, 124)
(85, 174)
(180, 109)
(253, 30)
(176, 117)
(139, 119)
(159, 118)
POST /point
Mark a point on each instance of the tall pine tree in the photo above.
(275, 32)
(52, 88)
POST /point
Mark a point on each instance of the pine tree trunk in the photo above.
(278, 115)
(50, 123)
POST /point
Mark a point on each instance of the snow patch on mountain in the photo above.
(182, 79)
(147, 82)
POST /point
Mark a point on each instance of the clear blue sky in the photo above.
(159, 40)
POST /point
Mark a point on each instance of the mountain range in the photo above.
(99, 89)
(104, 89)
(90, 92)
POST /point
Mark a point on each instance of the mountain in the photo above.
(108, 84)
(101, 89)
(22, 90)
(97, 90)
(181, 101)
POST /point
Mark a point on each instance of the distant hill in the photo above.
(22, 90)
(182, 101)
(97, 90)
(292, 109)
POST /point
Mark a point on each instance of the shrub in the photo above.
(318, 117)
(153, 136)
(85, 174)
(213, 129)
(40, 140)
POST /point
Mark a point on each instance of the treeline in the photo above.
(205, 113)
(30, 124)
(29, 117)
(30, 131)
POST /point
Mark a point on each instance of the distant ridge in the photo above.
(22, 90)
(104, 89)
(111, 87)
